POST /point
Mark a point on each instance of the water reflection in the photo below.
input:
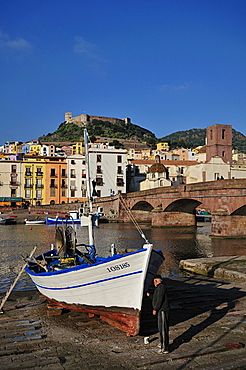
(176, 244)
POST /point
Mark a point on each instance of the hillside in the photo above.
(195, 137)
(123, 132)
(73, 132)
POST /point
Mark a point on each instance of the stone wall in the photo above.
(231, 226)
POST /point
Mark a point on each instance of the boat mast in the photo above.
(92, 251)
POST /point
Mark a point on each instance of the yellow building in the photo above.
(78, 148)
(34, 180)
(35, 149)
(163, 146)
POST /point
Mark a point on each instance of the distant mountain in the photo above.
(196, 137)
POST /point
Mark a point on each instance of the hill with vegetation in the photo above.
(72, 132)
(97, 128)
(196, 137)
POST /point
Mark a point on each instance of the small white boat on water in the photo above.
(111, 287)
(75, 217)
(34, 222)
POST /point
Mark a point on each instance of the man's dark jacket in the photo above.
(160, 299)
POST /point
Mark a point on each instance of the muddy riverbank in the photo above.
(208, 326)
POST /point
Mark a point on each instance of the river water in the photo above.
(176, 243)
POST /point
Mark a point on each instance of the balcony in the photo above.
(14, 183)
(39, 186)
(64, 186)
(28, 186)
(53, 186)
(39, 173)
(73, 175)
(28, 173)
(53, 175)
(64, 175)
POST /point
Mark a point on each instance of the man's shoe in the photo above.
(165, 352)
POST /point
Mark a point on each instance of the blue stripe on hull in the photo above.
(92, 283)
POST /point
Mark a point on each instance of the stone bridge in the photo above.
(176, 205)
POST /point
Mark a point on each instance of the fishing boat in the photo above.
(73, 276)
(34, 222)
(8, 221)
(75, 217)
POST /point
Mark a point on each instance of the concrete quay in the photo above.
(232, 268)
(208, 326)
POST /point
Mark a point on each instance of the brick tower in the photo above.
(219, 142)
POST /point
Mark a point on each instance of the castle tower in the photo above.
(219, 142)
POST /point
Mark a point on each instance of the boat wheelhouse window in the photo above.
(119, 170)
(99, 158)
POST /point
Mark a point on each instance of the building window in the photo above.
(211, 134)
(27, 193)
(28, 171)
(63, 184)
(223, 153)
(28, 183)
(52, 172)
(52, 183)
(119, 181)
(63, 193)
(99, 158)
(216, 176)
(38, 193)
(98, 193)
(72, 161)
(119, 170)
(39, 171)
(99, 181)
(119, 159)
(223, 133)
(72, 193)
(99, 169)
(63, 172)
(39, 183)
(52, 192)
(13, 192)
(73, 173)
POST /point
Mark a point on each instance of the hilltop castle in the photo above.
(84, 119)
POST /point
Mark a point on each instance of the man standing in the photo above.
(161, 308)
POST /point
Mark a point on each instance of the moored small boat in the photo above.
(34, 222)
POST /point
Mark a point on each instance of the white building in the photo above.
(215, 169)
(76, 178)
(108, 170)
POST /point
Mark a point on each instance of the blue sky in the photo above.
(169, 65)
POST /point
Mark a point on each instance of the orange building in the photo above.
(56, 180)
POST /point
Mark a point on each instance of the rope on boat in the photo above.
(132, 218)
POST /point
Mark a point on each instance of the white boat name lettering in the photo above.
(118, 267)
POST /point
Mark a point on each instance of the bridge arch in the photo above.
(183, 205)
(240, 211)
(142, 206)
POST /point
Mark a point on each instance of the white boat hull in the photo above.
(113, 289)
